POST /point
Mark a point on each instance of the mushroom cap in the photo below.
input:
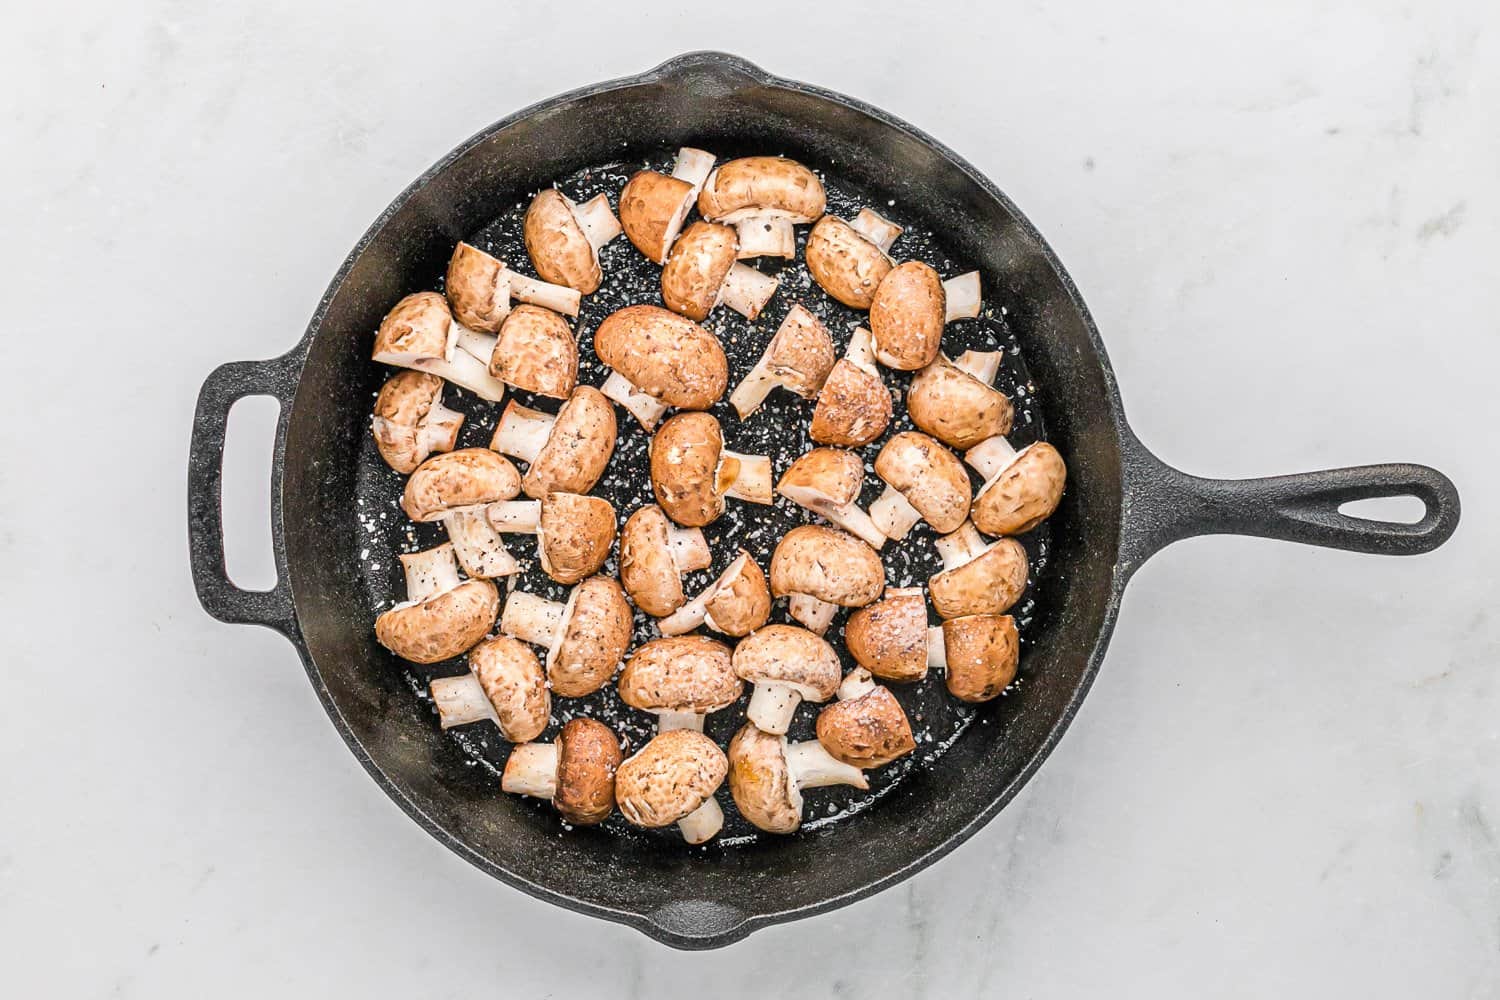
(955, 407)
(930, 476)
(853, 409)
(762, 185)
(477, 288)
(578, 449)
(687, 475)
(536, 352)
(682, 673)
(786, 654)
(986, 585)
(1024, 494)
(559, 250)
(440, 627)
(669, 777)
(828, 564)
(889, 638)
(464, 478)
(907, 315)
(832, 472)
(417, 326)
(648, 204)
(695, 271)
(982, 653)
(743, 603)
(869, 731)
(664, 355)
(588, 756)
(404, 402)
(576, 534)
(844, 263)
(515, 684)
(646, 567)
(801, 353)
(595, 640)
(760, 782)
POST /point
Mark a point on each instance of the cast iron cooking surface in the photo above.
(778, 429)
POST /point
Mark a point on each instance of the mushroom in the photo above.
(854, 407)
(411, 422)
(736, 604)
(979, 654)
(577, 773)
(455, 488)
(421, 334)
(585, 638)
(977, 579)
(654, 553)
(481, 287)
(692, 472)
(910, 308)
(505, 684)
(660, 359)
(566, 453)
(924, 482)
(672, 779)
(955, 403)
(1021, 488)
(866, 727)
(535, 351)
(574, 533)
(679, 679)
(443, 615)
(827, 482)
(799, 358)
(889, 638)
(702, 272)
(763, 196)
(821, 568)
(767, 776)
(787, 665)
(563, 238)
(653, 206)
(848, 260)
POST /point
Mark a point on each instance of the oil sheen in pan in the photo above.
(778, 429)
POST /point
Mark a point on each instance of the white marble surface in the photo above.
(1286, 218)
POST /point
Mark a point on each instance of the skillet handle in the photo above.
(1164, 505)
(226, 385)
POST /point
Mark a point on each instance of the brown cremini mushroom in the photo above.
(924, 482)
(566, 453)
(672, 779)
(654, 554)
(849, 260)
(978, 653)
(866, 727)
(455, 488)
(692, 472)
(910, 308)
(481, 287)
(736, 604)
(798, 358)
(505, 684)
(767, 776)
(535, 352)
(660, 360)
(563, 238)
(827, 482)
(820, 569)
(577, 773)
(411, 422)
(574, 533)
(1021, 488)
(763, 197)
(978, 579)
(702, 272)
(679, 679)
(420, 333)
(585, 638)
(854, 406)
(443, 615)
(787, 665)
(889, 638)
(653, 206)
(955, 403)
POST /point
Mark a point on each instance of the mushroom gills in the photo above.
(533, 619)
(963, 297)
(749, 477)
(480, 549)
(643, 406)
(746, 290)
(702, 824)
(814, 614)
(766, 236)
(531, 770)
(893, 515)
(522, 432)
(597, 220)
(461, 700)
(878, 230)
(810, 766)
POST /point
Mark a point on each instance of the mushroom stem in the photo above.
(679, 720)
(856, 684)
(751, 477)
(531, 770)
(811, 766)
(461, 700)
(466, 364)
(597, 220)
(852, 519)
(521, 517)
(757, 385)
(861, 351)
(438, 426)
(814, 614)
(893, 514)
(686, 618)
(878, 230)
(702, 824)
(430, 572)
(983, 365)
(772, 706)
(532, 619)
(522, 432)
(766, 236)
(963, 297)
(937, 649)
(961, 547)
(694, 166)
(689, 549)
(746, 290)
(643, 406)
(558, 298)
(991, 456)
(480, 549)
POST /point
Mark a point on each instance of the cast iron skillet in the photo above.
(1122, 505)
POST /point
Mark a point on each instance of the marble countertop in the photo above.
(1286, 219)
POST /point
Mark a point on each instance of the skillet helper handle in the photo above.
(228, 384)
(1165, 505)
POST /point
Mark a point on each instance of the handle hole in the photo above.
(1390, 510)
(249, 444)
